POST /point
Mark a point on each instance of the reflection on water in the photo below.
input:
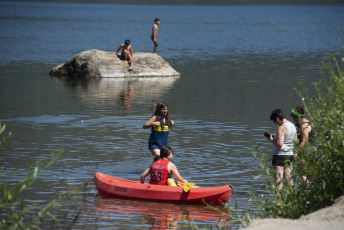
(123, 91)
(155, 215)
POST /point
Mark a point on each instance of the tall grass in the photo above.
(13, 208)
(324, 165)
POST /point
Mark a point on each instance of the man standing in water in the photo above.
(283, 148)
(154, 34)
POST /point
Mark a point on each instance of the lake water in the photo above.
(237, 64)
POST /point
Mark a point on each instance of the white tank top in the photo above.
(288, 143)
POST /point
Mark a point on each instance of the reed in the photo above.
(14, 210)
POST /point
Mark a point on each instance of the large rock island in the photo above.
(101, 64)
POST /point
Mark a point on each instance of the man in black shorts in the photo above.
(154, 34)
(283, 148)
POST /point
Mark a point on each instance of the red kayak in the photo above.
(121, 188)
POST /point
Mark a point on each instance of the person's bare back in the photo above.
(155, 31)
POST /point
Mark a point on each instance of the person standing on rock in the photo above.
(127, 53)
(154, 34)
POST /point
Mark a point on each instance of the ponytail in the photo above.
(157, 157)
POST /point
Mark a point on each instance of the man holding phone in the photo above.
(283, 147)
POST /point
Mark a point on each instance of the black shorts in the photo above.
(282, 160)
(155, 42)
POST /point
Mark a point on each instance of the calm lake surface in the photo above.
(237, 64)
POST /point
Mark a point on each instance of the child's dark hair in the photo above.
(159, 116)
(165, 151)
(156, 20)
(277, 113)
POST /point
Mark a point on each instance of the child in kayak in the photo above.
(162, 168)
(160, 123)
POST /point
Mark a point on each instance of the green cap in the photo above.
(296, 113)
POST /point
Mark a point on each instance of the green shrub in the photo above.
(324, 166)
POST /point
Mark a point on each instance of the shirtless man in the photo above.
(127, 53)
(154, 34)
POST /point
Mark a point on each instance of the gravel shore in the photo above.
(331, 218)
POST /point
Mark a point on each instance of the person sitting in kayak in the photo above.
(162, 168)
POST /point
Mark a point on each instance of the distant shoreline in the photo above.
(197, 2)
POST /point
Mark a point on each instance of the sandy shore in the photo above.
(330, 218)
